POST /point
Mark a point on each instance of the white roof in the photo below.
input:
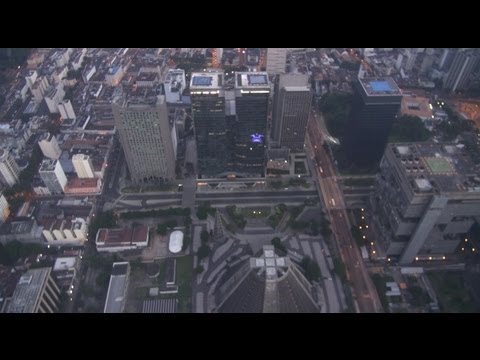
(64, 263)
(176, 241)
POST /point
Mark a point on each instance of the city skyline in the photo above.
(239, 180)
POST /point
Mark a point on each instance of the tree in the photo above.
(311, 268)
(203, 251)
(276, 242)
(186, 242)
(199, 269)
(204, 236)
(408, 129)
(103, 220)
(357, 235)
(336, 108)
(162, 229)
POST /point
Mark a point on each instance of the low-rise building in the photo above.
(72, 230)
(83, 186)
(113, 240)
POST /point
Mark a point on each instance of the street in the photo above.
(365, 294)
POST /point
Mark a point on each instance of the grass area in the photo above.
(137, 189)
(358, 182)
(300, 167)
(184, 276)
(261, 212)
(130, 189)
(451, 292)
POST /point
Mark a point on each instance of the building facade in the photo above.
(66, 110)
(83, 166)
(9, 171)
(291, 108)
(427, 197)
(276, 60)
(252, 91)
(4, 208)
(146, 138)
(376, 102)
(36, 292)
(49, 146)
(208, 111)
(53, 176)
(464, 64)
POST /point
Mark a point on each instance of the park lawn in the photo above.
(451, 292)
(184, 276)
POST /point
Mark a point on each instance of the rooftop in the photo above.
(117, 288)
(28, 290)
(268, 283)
(64, 263)
(48, 165)
(207, 80)
(416, 106)
(380, 86)
(251, 80)
(122, 237)
(444, 167)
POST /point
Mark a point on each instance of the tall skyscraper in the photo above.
(53, 176)
(276, 60)
(291, 108)
(208, 110)
(83, 166)
(252, 90)
(424, 200)
(4, 208)
(9, 170)
(375, 104)
(49, 146)
(459, 76)
(146, 136)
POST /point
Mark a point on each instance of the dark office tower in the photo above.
(460, 74)
(291, 106)
(208, 110)
(375, 104)
(252, 91)
(148, 140)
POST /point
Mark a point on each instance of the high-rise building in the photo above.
(461, 70)
(83, 166)
(53, 176)
(446, 58)
(252, 91)
(49, 146)
(375, 104)
(146, 136)
(9, 170)
(4, 208)
(291, 107)
(276, 60)
(36, 292)
(66, 110)
(425, 200)
(208, 111)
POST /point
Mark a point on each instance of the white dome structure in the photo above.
(176, 242)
